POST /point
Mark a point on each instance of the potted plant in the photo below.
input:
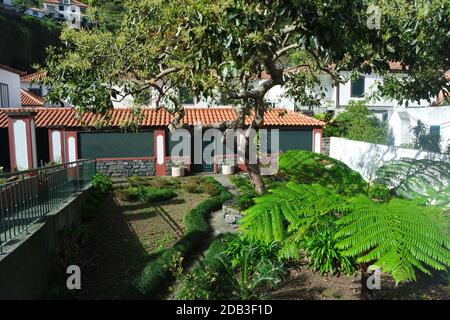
(178, 169)
(227, 169)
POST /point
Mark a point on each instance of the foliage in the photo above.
(412, 178)
(322, 253)
(25, 39)
(291, 211)
(148, 194)
(234, 268)
(399, 236)
(156, 275)
(425, 140)
(210, 188)
(110, 12)
(192, 184)
(102, 183)
(378, 191)
(306, 167)
(92, 206)
(155, 182)
(357, 123)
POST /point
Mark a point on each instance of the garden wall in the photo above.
(366, 158)
(125, 168)
(24, 269)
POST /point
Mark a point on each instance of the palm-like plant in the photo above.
(398, 237)
(291, 210)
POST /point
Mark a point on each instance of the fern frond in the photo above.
(399, 236)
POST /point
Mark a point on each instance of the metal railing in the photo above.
(27, 196)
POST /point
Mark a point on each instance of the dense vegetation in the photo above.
(157, 274)
(24, 40)
(110, 11)
(357, 123)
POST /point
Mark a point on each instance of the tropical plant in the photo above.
(102, 183)
(425, 140)
(323, 255)
(307, 167)
(410, 178)
(291, 211)
(357, 123)
(398, 237)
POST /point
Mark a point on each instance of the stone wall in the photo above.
(126, 168)
(326, 146)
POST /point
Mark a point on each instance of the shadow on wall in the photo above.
(366, 158)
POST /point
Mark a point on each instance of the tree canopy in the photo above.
(217, 48)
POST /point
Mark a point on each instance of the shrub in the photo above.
(380, 192)
(102, 183)
(210, 188)
(156, 275)
(148, 194)
(357, 123)
(323, 255)
(305, 167)
(192, 184)
(245, 201)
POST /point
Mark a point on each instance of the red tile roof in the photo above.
(73, 2)
(66, 117)
(34, 77)
(28, 99)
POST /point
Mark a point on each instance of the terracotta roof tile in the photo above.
(34, 77)
(73, 2)
(149, 117)
(28, 99)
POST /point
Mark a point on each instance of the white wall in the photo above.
(13, 81)
(366, 158)
(68, 14)
(20, 145)
(403, 120)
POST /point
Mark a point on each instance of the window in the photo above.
(435, 131)
(74, 9)
(61, 8)
(357, 88)
(4, 96)
(74, 21)
(36, 91)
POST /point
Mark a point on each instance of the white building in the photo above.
(68, 10)
(404, 120)
(10, 87)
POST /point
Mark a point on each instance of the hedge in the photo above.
(156, 275)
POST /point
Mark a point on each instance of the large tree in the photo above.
(218, 48)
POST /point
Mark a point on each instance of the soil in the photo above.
(304, 284)
(126, 236)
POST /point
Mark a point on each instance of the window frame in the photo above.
(352, 83)
(4, 88)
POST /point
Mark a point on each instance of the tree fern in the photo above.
(412, 178)
(399, 236)
(291, 208)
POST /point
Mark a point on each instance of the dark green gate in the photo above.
(94, 145)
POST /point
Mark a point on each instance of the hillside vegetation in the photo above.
(24, 40)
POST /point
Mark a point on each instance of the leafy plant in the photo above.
(148, 194)
(425, 140)
(323, 255)
(380, 192)
(192, 184)
(292, 209)
(307, 167)
(357, 123)
(410, 178)
(399, 236)
(102, 183)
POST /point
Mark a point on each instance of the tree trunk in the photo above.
(366, 293)
(256, 178)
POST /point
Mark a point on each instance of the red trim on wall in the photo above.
(68, 135)
(29, 142)
(159, 168)
(50, 145)
(12, 149)
(317, 130)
